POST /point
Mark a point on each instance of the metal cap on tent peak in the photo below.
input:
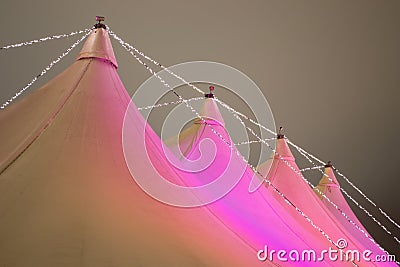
(210, 95)
(280, 135)
(99, 23)
(98, 44)
(328, 164)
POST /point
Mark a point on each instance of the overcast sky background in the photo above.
(329, 69)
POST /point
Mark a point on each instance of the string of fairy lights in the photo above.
(35, 41)
(312, 156)
(312, 168)
(134, 51)
(315, 158)
(298, 172)
(169, 103)
(254, 141)
(351, 198)
(337, 207)
(303, 152)
(130, 49)
(230, 145)
(46, 69)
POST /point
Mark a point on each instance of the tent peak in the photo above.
(210, 113)
(98, 45)
(280, 135)
(328, 164)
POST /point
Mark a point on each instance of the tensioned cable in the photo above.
(129, 48)
(219, 101)
(331, 202)
(169, 103)
(43, 39)
(75, 44)
(353, 200)
(308, 156)
(169, 71)
(254, 141)
(223, 104)
(301, 150)
(44, 71)
(230, 145)
(320, 161)
(351, 221)
(312, 168)
(302, 177)
(315, 158)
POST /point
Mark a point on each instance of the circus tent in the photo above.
(67, 196)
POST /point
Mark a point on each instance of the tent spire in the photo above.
(98, 44)
(210, 111)
(99, 23)
(210, 95)
(328, 164)
(280, 135)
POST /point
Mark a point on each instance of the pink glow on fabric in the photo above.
(257, 217)
(299, 192)
(332, 190)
